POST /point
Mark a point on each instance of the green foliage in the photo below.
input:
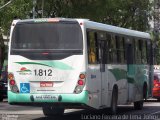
(17, 9)
(133, 14)
(157, 56)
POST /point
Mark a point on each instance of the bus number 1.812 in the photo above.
(41, 72)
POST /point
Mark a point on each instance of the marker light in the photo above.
(53, 20)
(81, 23)
(81, 76)
(13, 24)
(12, 82)
(10, 76)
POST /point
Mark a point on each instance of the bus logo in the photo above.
(24, 71)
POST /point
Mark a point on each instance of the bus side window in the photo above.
(138, 48)
(120, 49)
(107, 47)
(102, 38)
(112, 50)
(92, 48)
(148, 49)
(144, 53)
(124, 48)
(117, 38)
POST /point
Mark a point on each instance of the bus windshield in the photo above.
(47, 36)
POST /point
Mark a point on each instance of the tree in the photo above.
(133, 14)
(19, 9)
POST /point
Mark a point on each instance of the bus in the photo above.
(61, 63)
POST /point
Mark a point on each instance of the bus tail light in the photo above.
(80, 84)
(12, 83)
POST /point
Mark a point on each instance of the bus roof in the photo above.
(114, 29)
(97, 26)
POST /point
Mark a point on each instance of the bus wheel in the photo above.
(138, 105)
(52, 111)
(145, 91)
(114, 102)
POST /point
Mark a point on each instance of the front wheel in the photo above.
(52, 111)
(138, 105)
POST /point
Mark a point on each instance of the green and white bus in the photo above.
(60, 63)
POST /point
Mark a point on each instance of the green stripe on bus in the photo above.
(120, 74)
(53, 64)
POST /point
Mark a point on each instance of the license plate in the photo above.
(46, 97)
(46, 84)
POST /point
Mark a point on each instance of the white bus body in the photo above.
(45, 72)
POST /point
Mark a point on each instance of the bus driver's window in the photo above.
(92, 56)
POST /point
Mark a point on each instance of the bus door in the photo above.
(130, 69)
(102, 59)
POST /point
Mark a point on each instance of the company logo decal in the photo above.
(53, 64)
(24, 88)
(24, 71)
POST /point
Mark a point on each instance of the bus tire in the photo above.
(138, 105)
(50, 111)
(114, 101)
(145, 91)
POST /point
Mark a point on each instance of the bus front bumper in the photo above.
(47, 98)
